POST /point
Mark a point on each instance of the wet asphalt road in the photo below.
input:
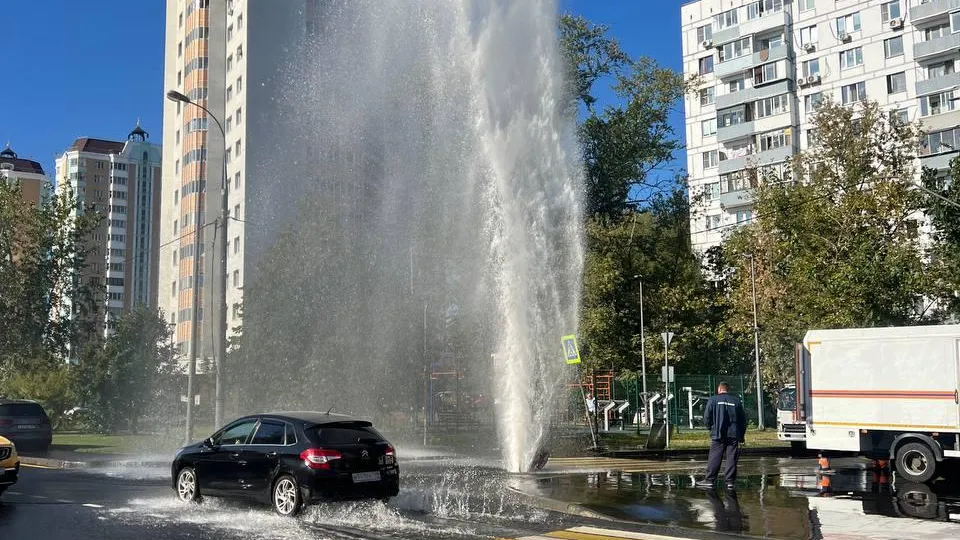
(454, 499)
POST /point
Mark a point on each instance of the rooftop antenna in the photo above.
(330, 409)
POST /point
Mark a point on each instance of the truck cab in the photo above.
(789, 427)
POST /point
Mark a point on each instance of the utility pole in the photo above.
(756, 344)
(667, 338)
(643, 347)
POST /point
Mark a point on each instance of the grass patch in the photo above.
(689, 440)
(94, 443)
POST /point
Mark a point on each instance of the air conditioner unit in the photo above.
(802, 81)
(896, 23)
(813, 79)
(810, 47)
(707, 43)
(844, 37)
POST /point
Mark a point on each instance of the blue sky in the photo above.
(79, 69)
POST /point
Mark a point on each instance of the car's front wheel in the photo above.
(286, 496)
(187, 487)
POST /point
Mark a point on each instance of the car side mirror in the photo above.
(209, 443)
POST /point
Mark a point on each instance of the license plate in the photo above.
(28, 426)
(361, 477)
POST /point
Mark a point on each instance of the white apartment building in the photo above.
(233, 57)
(120, 180)
(765, 64)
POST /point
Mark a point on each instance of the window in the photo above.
(239, 116)
(173, 288)
(178, 136)
(706, 96)
(239, 85)
(764, 74)
(229, 151)
(236, 433)
(236, 211)
(229, 124)
(774, 139)
(704, 33)
(737, 181)
(236, 244)
(851, 58)
(853, 92)
(771, 42)
(237, 149)
(744, 216)
(848, 23)
(706, 65)
(712, 222)
(810, 68)
(725, 19)
(940, 69)
(736, 49)
(899, 115)
(893, 47)
(179, 49)
(771, 106)
(229, 93)
(890, 10)
(809, 35)
(941, 141)
(229, 62)
(239, 21)
(229, 32)
(239, 53)
(811, 102)
(179, 81)
(955, 22)
(806, 5)
(936, 103)
(711, 191)
(708, 127)
(732, 118)
(896, 83)
(236, 278)
(710, 159)
(269, 433)
(736, 85)
(176, 196)
(236, 311)
(935, 32)
(236, 180)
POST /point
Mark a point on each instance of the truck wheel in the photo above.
(915, 462)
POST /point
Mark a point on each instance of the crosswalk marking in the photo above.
(595, 533)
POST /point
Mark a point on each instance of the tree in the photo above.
(944, 251)
(133, 375)
(834, 241)
(628, 140)
(43, 253)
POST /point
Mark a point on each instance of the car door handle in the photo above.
(271, 454)
(235, 455)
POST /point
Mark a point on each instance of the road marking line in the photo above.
(37, 497)
(91, 505)
(594, 533)
(624, 534)
(64, 501)
(31, 466)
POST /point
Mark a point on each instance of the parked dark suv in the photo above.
(289, 459)
(26, 424)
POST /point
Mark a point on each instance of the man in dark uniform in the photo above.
(727, 423)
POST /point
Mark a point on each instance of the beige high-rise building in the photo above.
(228, 56)
(34, 184)
(121, 180)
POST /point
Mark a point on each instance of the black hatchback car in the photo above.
(26, 424)
(289, 459)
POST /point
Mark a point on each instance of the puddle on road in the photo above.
(792, 502)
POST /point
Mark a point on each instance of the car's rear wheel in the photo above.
(286, 496)
(187, 487)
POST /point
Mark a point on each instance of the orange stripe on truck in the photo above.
(888, 394)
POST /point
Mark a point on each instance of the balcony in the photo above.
(734, 132)
(759, 159)
(932, 9)
(739, 65)
(733, 199)
(937, 161)
(938, 84)
(938, 122)
(750, 95)
(935, 47)
(747, 28)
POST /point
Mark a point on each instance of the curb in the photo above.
(772, 451)
(94, 464)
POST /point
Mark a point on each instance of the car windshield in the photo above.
(21, 409)
(788, 399)
(345, 434)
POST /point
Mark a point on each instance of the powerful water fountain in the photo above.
(425, 208)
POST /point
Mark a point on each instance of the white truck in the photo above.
(789, 426)
(883, 393)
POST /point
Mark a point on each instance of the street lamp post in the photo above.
(220, 227)
(756, 343)
(643, 348)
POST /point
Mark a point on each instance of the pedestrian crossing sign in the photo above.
(570, 351)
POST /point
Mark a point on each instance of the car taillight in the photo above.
(389, 456)
(319, 458)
